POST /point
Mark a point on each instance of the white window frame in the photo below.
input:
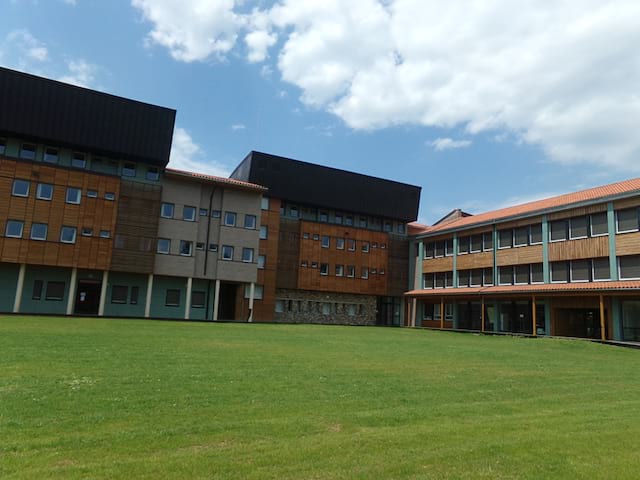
(78, 160)
(620, 271)
(191, 218)
(617, 222)
(16, 222)
(351, 245)
(339, 270)
(500, 283)
(262, 261)
(264, 203)
(111, 196)
(512, 240)
(591, 225)
(339, 243)
(71, 190)
(516, 245)
(189, 244)
(13, 188)
(559, 281)
(571, 237)
(531, 241)
(105, 233)
(46, 232)
(39, 195)
(571, 280)
(130, 172)
(324, 269)
(68, 229)
(325, 241)
(247, 250)
(228, 216)
(35, 151)
(264, 232)
(515, 275)
(162, 251)
(225, 250)
(365, 247)
(593, 271)
(253, 221)
(45, 153)
(364, 273)
(351, 271)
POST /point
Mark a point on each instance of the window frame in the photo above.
(39, 195)
(250, 221)
(618, 221)
(32, 148)
(65, 229)
(159, 242)
(189, 208)
(187, 243)
(71, 190)
(579, 237)
(247, 250)
(49, 296)
(119, 300)
(14, 222)
(165, 205)
(227, 249)
(172, 303)
(17, 181)
(46, 232)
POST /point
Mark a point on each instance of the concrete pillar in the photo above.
(187, 305)
(611, 222)
(103, 292)
(454, 310)
(19, 288)
(547, 316)
(252, 292)
(616, 318)
(496, 320)
(546, 275)
(216, 300)
(71, 301)
(147, 303)
(414, 305)
(534, 315)
(455, 260)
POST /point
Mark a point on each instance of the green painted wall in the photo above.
(126, 309)
(8, 280)
(158, 296)
(201, 313)
(46, 274)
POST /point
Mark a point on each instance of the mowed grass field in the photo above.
(125, 399)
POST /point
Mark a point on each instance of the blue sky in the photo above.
(481, 105)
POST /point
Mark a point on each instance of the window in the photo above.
(203, 212)
(629, 267)
(227, 252)
(558, 231)
(326, 308)
(44, 191)
(522, 274)
(536, 234)
(135, 291)
(20, 188)
(578, 227)
(164, 246)
(258, 291)
(339, 270)
(28, 151)
(326, 241)
(199, 245)
(448, 247)
(293, 212)
(599, 224)
(323, 217)
(476, 277)
(351, 271)
(487, 240)
(439, 249)
(189, 213)
(580, 270)
(476, 243)
(351, 245)
(429, 250)
(463, 245)
(264, 203)
(438, 279)
(119, 241)
(109, 196)
(78, 160)
(152, 174)
(521, 236)
(427, 280)
(264, 232)
(601, 269)
(364, 272)
(14, 229)
(365, 247)
(262, 260)
(487, 276)
(463, 278)
(247, 255)
(166, 210)
(216, 213)
(559, 272)
(387, 227)
(92, 194)
(73, 195)
(38, 231)
(505, 275)
(3, 145)
(230, 219)
(305, 235)
(172, 298)
(68, 235)
(197, 299)
(304, 263)
(213, 247)
(55, 291)
(627, 220)
(401, 228)
(537, 275)
(324, 269)
(338, 218)
(186, 248)
(105, 234)
(37, 290)
(348, 221)
(363, 222)
(250, 222)
(50, 155)
(505, 238)
(144, 244)
(119, 294)
(279, 306)
(340, 243)
(87, 232)
(129, 169)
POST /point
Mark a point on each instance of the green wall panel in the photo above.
(8, 280)
(160, 286)
(128, 309)
(46, 274)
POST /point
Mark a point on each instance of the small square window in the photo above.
(129, 169)
(247, 255)
(119, 294)
(316, 236)
(38, 231)
(213, 247)
(215, 213)
(505, 238)
(627, 220)
(14, 229)
(200, 246)
(105, 234)
(92, 194)
(197, 299)
(152, 174)
(383, 245)
(78, 160)
(314, 264)
(50, 155)
(44, 191)
(558, 231)
(264, 232)
(73, 195)
(109, 196)
(326, 241)
(230, 219)
(203, 212)
(87, 232)
(28, 151)
(189, 213)
(305, 235)
(227, 252)
(167, 210)
(186, 248)
(20, 188)
(172, 298)
(68, 235)
(164, 245)
(293, 212)
(250, 222)
(55, 291)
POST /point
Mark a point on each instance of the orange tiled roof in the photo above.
(620, 285)
(540, 205)
(213, 178)
(415, 228)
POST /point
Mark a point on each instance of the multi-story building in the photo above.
(333, 244)
(565, 266)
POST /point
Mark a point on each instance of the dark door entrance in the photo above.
(578, 322)
(227, 305)
(88, 297)
(388, 311)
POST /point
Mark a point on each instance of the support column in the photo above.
(611, 223)
(455, 260)
(71, 301)
(187, 306)
(414, 305)
(103, 292)
(19, 288)
(616, 317)
(545, 250)
(252, 292)
(603, 332)
(147, 302)
(216, 300)
(547, 317)
(441, 313)
(482, 314)
(534, 315)
(455, 321)
(496, 320)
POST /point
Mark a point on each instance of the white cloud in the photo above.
(188, 155)
(28, 47)
(80, 72)
(238, 126)
(561, 75)
(440, 144)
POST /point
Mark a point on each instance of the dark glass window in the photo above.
(627, 220)
(427, 280)
(579, 227)
(559, 272)
(448, 279)
(439, 249)
(536, 233)
(172, 298)
(129, 169)
(429, 250)
(599, 224)
(50, 155)
(463, 245)
(135, 291)
(20, 188)
(476, 243)
(55, 291)
(558, 230)
(197, 299)
(119, 294)
(505, 275)
(505, 238)
(230, 219)
(78, 160)
(476, 277)
(488, 276)
(487, 239)
(522, 274)
(448, 247)
(601, 269)
(521, 236)
(439, 280)
(580, 270)
(629, 267)
(463, 278)
(37, 290)
(28, 151)
(189, 213)
(537, 275)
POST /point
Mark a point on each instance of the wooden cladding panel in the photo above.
(265, 308)
(627, 203)
(475, 231)
(398, 266)
(578, 212)
(288, 249)
(95, 213)
(442, 264)
(628, 244)
(520, 223)
(519, 255)
(576, 249)
(474, 260)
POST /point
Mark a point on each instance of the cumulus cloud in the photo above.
(80, 73)
(27, 46)
(440, 144)
(560, 75)
(188, 155)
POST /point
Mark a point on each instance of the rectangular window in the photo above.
(487, 240)
(119, 241)
(38, 231)
(230, 219)
(323, 217)
(247, 255)
(326, 242)
(119, 294)
(536, 234)
(73, 195)
(476, 243)
(439, 279)
(427, 280)
(68, 234)
(601, 269)
(521, 236)
(250, 222)
(203, 212)
(578, 227)
(189, 213)
(186, 248)
(559, 272)
(279, 306)
(348, 220)
(264, 203)
(87, 232)
(558, 231)
(580, 270)
(505, 238)
(227, 252)
(37, 290)
(105, 234)
(522, 274)
(14, 229)
(537, 275)
(324, 269)
(166, 210)
(476, 277)
(365, 247)
(172, 297)
(44, 191)
(505, 275)
(351, 271)
(78, 160)
(439, 249)
(627, 220)
(293, 212)
(629, 267)
(262, 260)
(55, 291)
(92, 194)
(363, 222)
(111, 196)
(197, 299)
(135, 291)
(28, 151)
(199, 245)
(50, 155)
(164, 246)
(340, 243)
(429, 250)
(339, 270)
(387, 227)
(463, 245)
(487, 276)
(20, 188)
(213, 247)
(129, 169)
(351, 245)
(448, 247)
(464, 278)
(599, 224)
(338, 218)
(264, 232)
(216, 213)
(364, 272)
(152, 174)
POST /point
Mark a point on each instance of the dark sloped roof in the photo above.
(41, 109)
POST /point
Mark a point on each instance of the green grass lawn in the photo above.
(99, 398)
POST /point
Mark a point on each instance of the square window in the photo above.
(521, 236)
(216, 213)
(304, 263)
(476, 243)
(227, 252)
(383, 245)
(50, 155)
(316, 236)
(92, 194)
(44, 191)
(172, 298)
(340, 243)
(464, 277)
(264, 203)
(387, 227)
(559, 272)
(262, 260)
(38, 231)
(166, 210)
(20, 188)
(324, 269)
(339, 270)
(152, 174)
(476, 277)
(580, 270)
(55, 291)
(578, 227)
(78, 160)
(505, 275)
(200, 246)
(68, 235)
(293, 212)
(599, 224)
(230, 219)
(164, 246)
(109, 196)
(264, 232)
(365, 247)
(73, 195)
(326, 242)
(305, 235)
(36, 294)
(522, 274)
(186, 248)
(14, 229)
(250, 222)
(505, 238)
(129, 169)
(87, 232)
(247, 255)
(213, 247)
(189, 213)
(105, 234)
(627, 220)
(28, 151)
(558, 231)
(119, 294)
(197, 299)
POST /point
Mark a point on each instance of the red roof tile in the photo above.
(621, 285)
(212, 178)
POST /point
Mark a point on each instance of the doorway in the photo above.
(88, 297)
